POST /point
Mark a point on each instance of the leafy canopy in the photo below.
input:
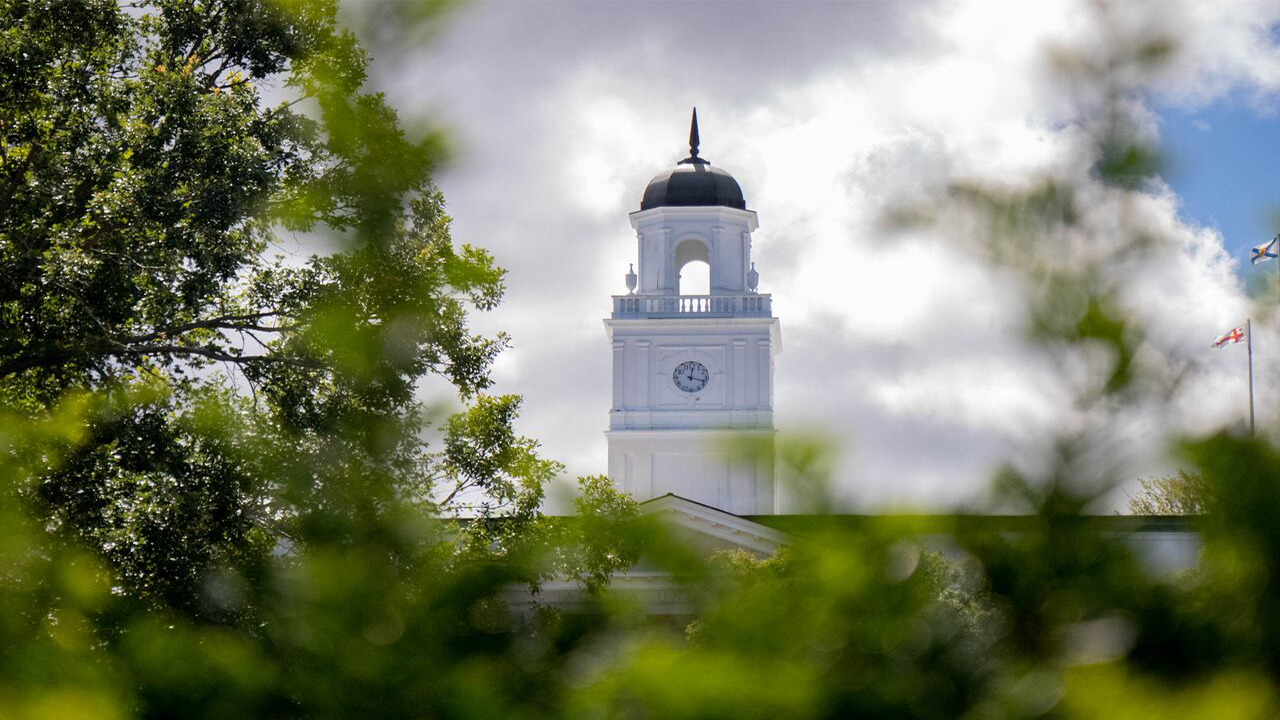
(152, 157)
(215, 501)
(1181, 494)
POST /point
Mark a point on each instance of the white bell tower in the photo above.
(693, 373)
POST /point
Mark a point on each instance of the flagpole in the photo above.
(1248, 333)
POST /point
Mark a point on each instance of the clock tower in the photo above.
(693, 374)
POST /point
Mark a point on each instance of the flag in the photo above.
(1236, 335)
(1265, 251)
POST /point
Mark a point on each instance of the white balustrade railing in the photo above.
(751, 304)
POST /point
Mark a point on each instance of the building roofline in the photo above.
(804, 524)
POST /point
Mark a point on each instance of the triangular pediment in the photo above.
(713, 529)
(703, 527)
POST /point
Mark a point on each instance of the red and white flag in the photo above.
(1236, 335)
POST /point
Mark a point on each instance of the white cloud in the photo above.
(903, 346)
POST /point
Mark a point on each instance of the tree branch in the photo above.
(59, 355)
(107, 346)
(464, 485)
(216, 354)
(223, 322)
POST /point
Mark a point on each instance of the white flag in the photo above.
(1236, 335)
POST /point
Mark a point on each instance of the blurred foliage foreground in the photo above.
(217, 502)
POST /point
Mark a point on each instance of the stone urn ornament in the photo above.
(631, 278)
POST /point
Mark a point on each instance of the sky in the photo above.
(904, 349)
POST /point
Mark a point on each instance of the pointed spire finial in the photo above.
(693, 158)
(693, 135)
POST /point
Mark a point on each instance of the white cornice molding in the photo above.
(681, 213)
(693, 433)
(685, 324)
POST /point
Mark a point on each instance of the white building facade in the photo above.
(693, 374)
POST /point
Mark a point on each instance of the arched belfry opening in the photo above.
(693, 267)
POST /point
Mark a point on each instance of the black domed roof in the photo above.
(693, 182)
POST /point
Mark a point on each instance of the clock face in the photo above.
(691, 376)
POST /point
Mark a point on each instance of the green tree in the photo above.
(1181, 494)
(175, 542)
(144, 178)
(217, 500)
